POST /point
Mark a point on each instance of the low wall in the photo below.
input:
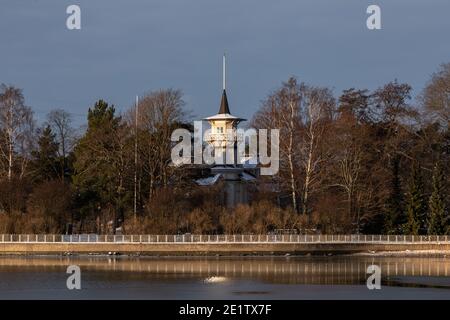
(216, 248)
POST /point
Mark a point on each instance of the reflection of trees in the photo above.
(305, 270)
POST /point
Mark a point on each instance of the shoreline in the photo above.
(226, 249)
(403, 254)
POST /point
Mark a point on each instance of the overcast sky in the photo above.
(131, 47)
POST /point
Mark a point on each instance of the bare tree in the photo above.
(436, 95)
(17, 127)
(291, 96)
(391, 102)
(301, 112)
(281, 110)
(61, 123)
(348, 153)
(160, 112)
(317, 107)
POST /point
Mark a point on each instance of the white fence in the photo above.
(188, 238)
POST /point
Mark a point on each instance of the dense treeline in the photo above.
(366, 161)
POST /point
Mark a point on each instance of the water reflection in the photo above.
(280, 270)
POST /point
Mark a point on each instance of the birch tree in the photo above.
(317, 108)
(16, 128)
(281, 110)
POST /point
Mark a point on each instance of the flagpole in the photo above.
(136, 156)
(223, 72)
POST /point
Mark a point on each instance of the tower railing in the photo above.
(233, 136)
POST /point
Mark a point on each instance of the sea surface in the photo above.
(305, 277)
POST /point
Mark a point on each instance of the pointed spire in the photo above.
(224, 104)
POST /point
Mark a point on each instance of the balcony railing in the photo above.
(233, 136)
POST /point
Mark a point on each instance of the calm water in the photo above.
(341, 277)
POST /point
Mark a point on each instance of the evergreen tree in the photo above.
(394, 217)
(438, 215)
(102, 157)
(45, 162)
(416, 206)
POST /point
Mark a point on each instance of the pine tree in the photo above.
(416, 206)
(394, 217)
(101, 158)
(45, 162)
(438, 215)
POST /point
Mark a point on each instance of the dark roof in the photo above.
(224, 104)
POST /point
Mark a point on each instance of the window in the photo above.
(219, 129)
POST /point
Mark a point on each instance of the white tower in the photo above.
(223, 137)
(223, 130)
